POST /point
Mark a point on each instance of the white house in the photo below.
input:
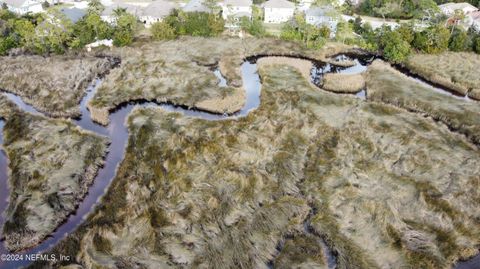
(236, 9)
(319, 16)
(278, 11)
(156, 11)
(449, 8)
(23, 6)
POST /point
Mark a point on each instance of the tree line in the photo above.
(52, 32)
(397, 44)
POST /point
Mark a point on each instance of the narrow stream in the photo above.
(117, 132)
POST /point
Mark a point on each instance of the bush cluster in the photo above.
(188, 23)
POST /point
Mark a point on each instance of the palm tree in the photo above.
(95, 6)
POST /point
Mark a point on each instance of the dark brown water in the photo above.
(117, 132)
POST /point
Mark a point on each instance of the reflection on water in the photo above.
(222, 82)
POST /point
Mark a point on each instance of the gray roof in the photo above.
(279, 4)
(135, 10)
(73, 14)
(319, 11)
(196, 6)
(14, 3)
(159, 8)
(238, 3)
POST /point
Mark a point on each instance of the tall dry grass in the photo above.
(379, 184)
(51, 165)
(54, 85)
(343, 83)
(181, 74)
(457, 71)
(387, 85)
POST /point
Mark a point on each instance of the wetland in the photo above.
(253, 164)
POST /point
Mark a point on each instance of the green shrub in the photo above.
(162, 31)
(254, 27)
(458, 40)
(195, 23)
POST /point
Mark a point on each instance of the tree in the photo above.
(95, 6)
(212, 6)
(406, 31)
(476, 45)
(7, 43)
(458, 16)
(324, 31)
(254, 27)
(25, 30)
(45, 5)
(53, 34)
(162, 31)
(395, 48)
(458, 40)
(434, 39)
(4, 6)
(344, 31)
(386, 9)
(90, 28)
(126, 25)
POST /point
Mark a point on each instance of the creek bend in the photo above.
(117, 133)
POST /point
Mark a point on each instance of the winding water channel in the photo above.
(117, 133)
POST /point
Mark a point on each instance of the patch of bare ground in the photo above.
(51, 164)
(343, 83)
(390, 188)
(53, 85)
(388, 85)
(179, 72)
(457, 71)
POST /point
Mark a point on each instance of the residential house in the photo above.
(450, 8)
(278, 11)
(73, 14)
(236, 9)
(156, 11)
(473, 20)
(319, 16)
(23, 6)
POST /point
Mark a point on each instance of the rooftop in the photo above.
(159, 8)
(238, 3)
(196, 6)
(455, 6)
(134, 10)
(319, 11)
(279, 4)
(73, 14)
(13, 3)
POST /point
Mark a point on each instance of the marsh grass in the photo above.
(457, 71)
(51, 164)
(53, 85)
(343, 83)
(238, 193)
(181, 74)
(390, 86)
